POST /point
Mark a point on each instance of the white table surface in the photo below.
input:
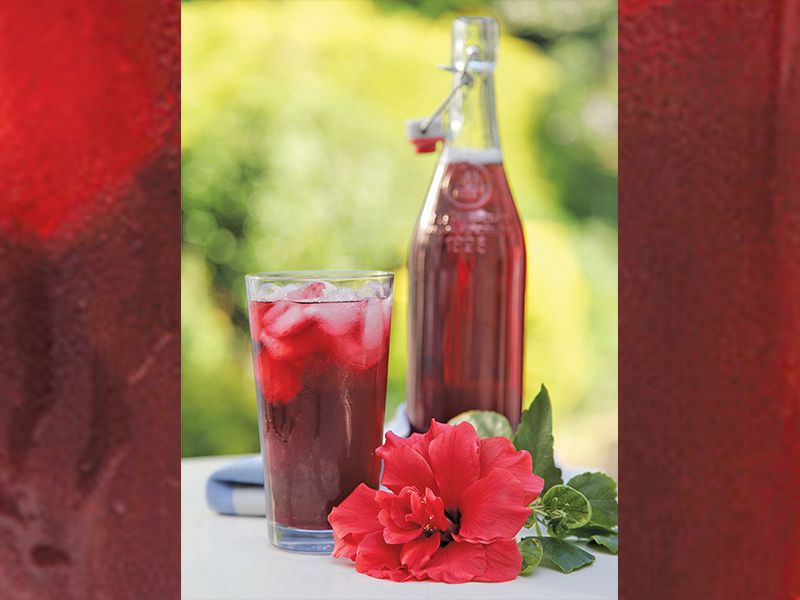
(229, 558)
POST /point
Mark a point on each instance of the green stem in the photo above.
(538, 531)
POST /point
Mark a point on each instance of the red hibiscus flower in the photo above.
(452, 513)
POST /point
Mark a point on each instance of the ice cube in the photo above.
(337, 318)
(288, 348)
(269, 292)
(374, 331)
(341, 295)
(371, 289)
(316, 290)
(287, 318)
(279, 381)
(387, 315)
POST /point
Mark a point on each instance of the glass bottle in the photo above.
(467, 258)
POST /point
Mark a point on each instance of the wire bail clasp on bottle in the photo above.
(425, 133)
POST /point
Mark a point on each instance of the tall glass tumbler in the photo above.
(320, 351)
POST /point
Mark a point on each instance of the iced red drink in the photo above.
(320, 351)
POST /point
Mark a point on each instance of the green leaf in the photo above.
(535, 434)
(531, 550)
(565, 555)
(601, 491)
(609, 542)
(486, 422)
(566, 509)
(591, 529)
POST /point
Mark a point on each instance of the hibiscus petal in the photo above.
(503, 561)
(454, 460)
(499, 452)
(401, 536)
(378, 559)
(354, 518)
(417, 554)
(434, 430)
(436, 509)
(397, 506)
(458, 562)
(492, 508)
(402, 467)
(393, 534)
(418, 513)
(394, 440)
(416, 441)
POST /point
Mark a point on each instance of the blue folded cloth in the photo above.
(238, 488)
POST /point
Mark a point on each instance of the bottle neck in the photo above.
(472, 118)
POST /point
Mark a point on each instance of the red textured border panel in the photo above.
(710, 298)
(89, 299)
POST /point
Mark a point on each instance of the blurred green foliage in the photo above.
(294, 156)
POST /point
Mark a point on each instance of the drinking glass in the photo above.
(320, 344)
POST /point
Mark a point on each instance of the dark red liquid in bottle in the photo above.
(467, 296)
(321, 379)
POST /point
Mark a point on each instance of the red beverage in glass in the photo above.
(467, 271)
(320, 355)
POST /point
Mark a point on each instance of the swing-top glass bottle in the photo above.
(467, 257)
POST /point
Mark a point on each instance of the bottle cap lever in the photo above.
(425, 133)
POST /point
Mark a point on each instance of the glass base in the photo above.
(308, 541)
